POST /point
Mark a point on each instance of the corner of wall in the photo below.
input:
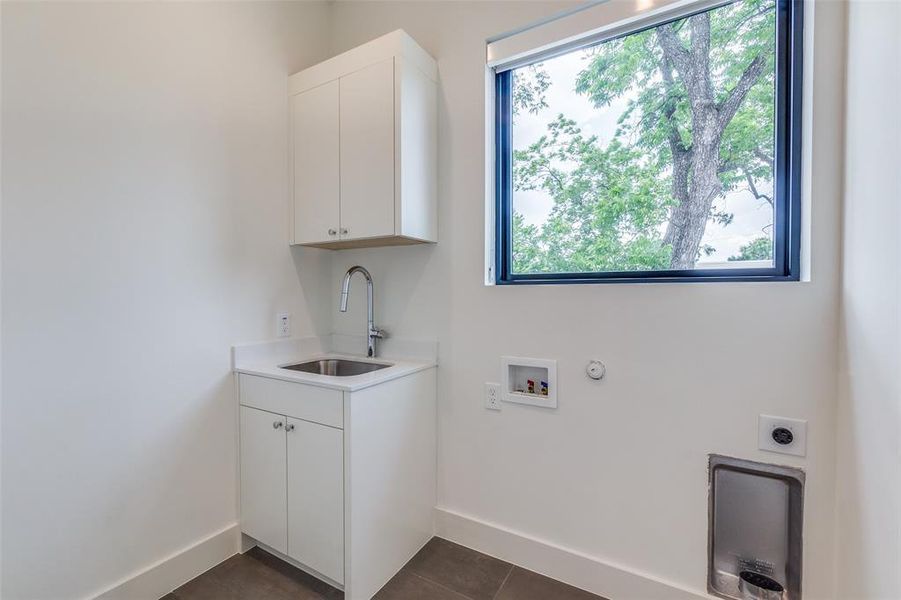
(868, 476)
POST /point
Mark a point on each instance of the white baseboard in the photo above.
(566, 565)
(159, 579)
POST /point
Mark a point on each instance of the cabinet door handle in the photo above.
(289, 427)
(332, 232)
(343, 231)
(277, 424)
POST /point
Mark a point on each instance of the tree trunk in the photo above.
(696, 182)
(689, 218)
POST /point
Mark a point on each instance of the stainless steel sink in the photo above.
(337, 367)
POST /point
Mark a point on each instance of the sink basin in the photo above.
(337, 367)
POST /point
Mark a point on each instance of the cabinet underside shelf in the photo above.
(376, 242)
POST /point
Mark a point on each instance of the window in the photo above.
(669, 153)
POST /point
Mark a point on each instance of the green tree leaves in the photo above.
(697, 124)
(759, 249)
(529, 86)
(606, 205)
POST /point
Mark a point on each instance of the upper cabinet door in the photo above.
(367, 152)
(316, 172)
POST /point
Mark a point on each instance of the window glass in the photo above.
(653, 152)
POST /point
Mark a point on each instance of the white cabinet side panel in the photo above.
(417, 112)
(392, 439)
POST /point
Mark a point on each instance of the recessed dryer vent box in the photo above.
(518, 372)
(756, 514)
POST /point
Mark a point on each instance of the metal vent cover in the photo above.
(755, 516)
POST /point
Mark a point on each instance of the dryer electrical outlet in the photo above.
(782, 435)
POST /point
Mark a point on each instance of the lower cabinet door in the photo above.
(263, 482)
(316, 497)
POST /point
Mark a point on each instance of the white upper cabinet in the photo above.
(364, 147)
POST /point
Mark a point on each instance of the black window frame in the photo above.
(787, 166)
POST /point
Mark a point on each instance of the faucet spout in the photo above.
(372, 332)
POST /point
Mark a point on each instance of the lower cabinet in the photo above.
(341, 483)
(292, 488)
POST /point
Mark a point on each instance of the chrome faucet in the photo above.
(372, 332)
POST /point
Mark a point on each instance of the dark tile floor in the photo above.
(442, 570)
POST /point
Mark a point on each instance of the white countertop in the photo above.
(398, 368)
(267, 359)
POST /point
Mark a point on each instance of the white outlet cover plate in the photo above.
(283, 324)
(493, 396)
(767, 423)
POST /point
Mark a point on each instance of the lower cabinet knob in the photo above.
(343, 231)
(289, 427)
(277, 424)
(332, 232)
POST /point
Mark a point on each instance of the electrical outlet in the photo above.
(782, 435)
(283, 325)
(493, 396)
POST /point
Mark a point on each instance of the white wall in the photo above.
(618, 472)
(869, 440)
(143, 232)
